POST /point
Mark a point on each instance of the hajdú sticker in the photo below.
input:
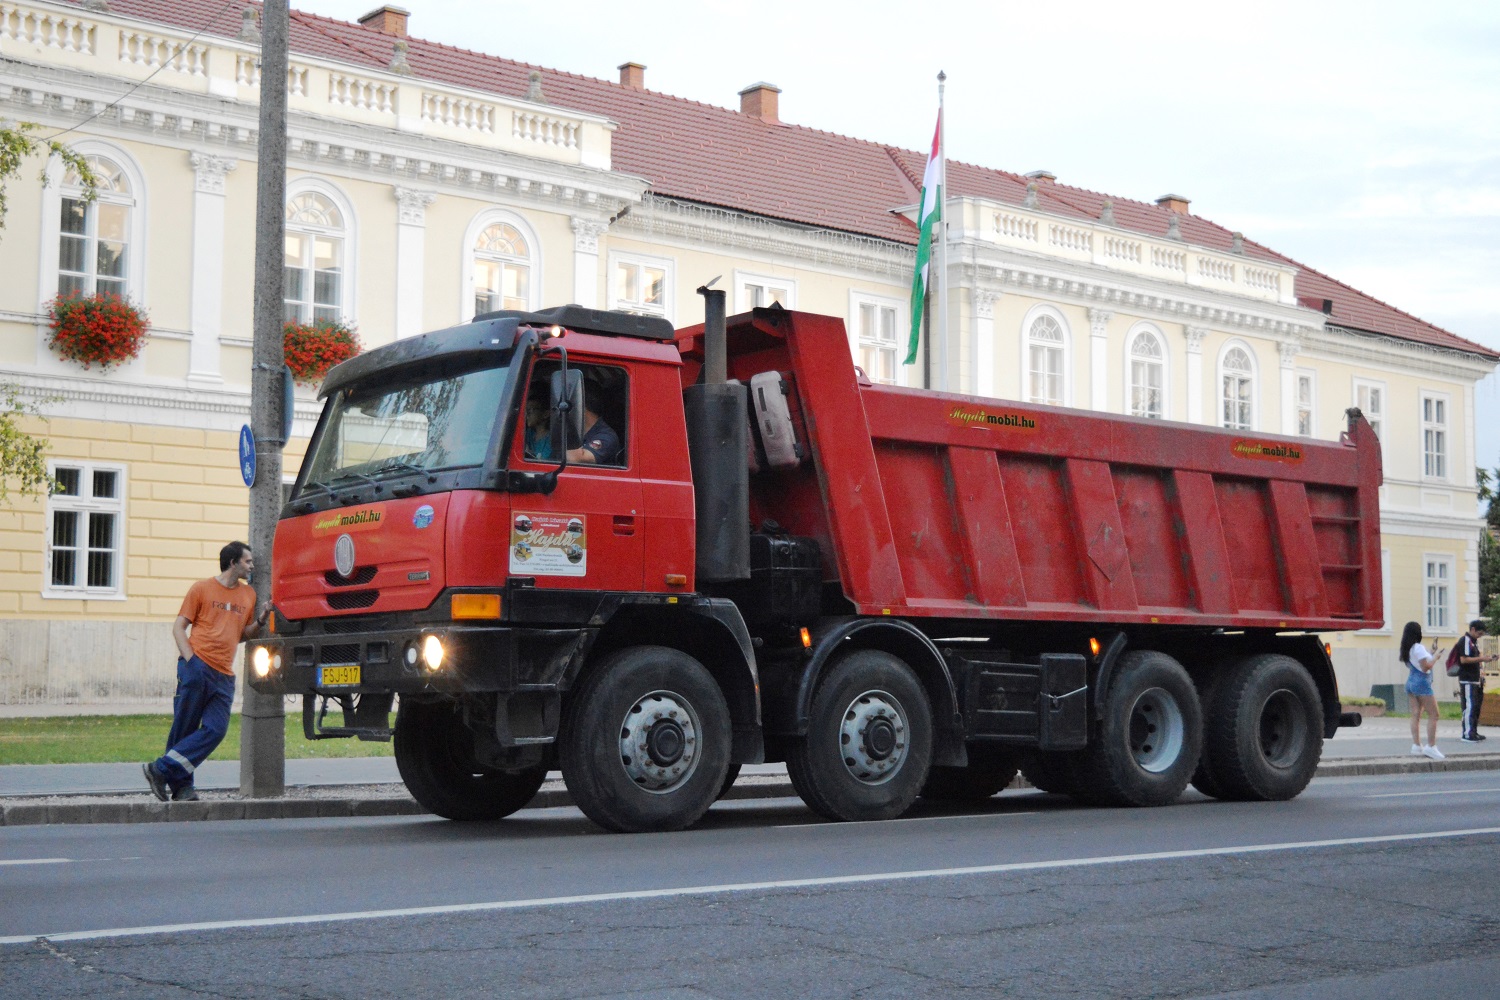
(1266, 451)
(359, 519)
(984, 419)
(549, 545)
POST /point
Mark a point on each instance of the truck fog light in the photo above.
(260, 661)
(411, 655)
(432, 652)
(276, 663)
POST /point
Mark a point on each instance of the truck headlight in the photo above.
(432, 652)
(260, 661)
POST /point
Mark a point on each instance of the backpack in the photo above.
(1453, 655)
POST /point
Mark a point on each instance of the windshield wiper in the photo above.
(397, 465)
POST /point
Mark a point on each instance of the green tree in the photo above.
(23, 458)
(1489, 546)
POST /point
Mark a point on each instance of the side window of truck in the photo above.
(606, 416)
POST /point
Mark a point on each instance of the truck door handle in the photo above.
(624, 524)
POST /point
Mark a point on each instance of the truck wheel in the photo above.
(988, 772)
(1053, 773)
(645, 741)
(869, 740)
(1203, 779)
(730, 776)
(435, 756)
(1150, 737)
(1265, 730)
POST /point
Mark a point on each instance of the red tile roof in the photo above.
(717, 156)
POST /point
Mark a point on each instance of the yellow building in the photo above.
(426, 182)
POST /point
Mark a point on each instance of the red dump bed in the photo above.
(932, 504)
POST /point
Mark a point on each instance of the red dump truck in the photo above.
(585, 540)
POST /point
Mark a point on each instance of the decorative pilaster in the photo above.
(586, 233)
(206, 283)
(411, 254)
(1289, 350)
(1099, 358)
(984, 342)
(1195, 335)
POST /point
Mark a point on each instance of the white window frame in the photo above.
(1444, 428)
(1164, 365)
(637, 260)
(1447, 583)
(745, 281)
(85, 505)
(1027, 324)
(1254, 378)
(857, 341)
(1375, 416)
(52, 194)
(1311, 409)
(348, 234)
(479, 224)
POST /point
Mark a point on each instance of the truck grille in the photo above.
(344, 652)
(348, 600)
(362, 574)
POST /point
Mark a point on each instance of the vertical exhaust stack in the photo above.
(718, 447)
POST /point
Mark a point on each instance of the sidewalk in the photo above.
(370, 786)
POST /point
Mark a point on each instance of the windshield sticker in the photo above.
(1266, 451)
(549, 545)
(983, 419)
(423, 516)
(361, 519)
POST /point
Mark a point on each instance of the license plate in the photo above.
(340, 675)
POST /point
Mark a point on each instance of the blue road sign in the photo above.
(247, 454)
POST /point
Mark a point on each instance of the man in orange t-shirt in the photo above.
(220, 611)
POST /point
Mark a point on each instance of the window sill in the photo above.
(83, 595)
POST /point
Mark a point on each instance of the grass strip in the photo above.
(108, 739)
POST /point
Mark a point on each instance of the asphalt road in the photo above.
(1362, 887)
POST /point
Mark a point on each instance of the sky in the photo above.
(1360, 138)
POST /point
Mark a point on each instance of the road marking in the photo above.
(1446, 791)
(814, 825)
(709, 890)
(36, 861)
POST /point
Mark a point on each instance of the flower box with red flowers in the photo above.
(313, 348)
(101, 329)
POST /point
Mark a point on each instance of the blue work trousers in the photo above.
(200, 718)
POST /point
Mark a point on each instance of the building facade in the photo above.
(425, 183)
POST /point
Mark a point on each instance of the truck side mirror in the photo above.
(567, 410)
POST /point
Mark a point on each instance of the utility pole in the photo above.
(263, 718)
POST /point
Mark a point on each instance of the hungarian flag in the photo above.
(928, 214)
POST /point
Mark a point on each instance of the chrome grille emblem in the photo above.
(343, 555)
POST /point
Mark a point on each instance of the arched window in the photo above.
(1237, 384)
(1045, 347)
(502, 269)
(1147, 374)
(315, 268)
(93, 253)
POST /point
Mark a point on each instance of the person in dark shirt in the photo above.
(601, 445)
(1470, 684)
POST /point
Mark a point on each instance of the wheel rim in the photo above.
(1156, 730)
(872, 737)
(659, 741)
(1283, 729)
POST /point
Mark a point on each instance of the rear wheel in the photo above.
(1051, 772)
(989, 771)
(1265, 730)
(1150, 737)
(869, 740)
(435, 755)
(645, 741)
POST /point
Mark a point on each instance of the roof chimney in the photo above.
(388, 20)
(1174, 202)
(759, 101)
(1043, 176)
(633, 75)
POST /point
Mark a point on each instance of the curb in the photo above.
(553, 794)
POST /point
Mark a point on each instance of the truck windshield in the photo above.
(394, 430)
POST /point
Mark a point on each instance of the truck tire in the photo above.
(989, 771)
(645, 741)
(1054, 773)
(1149, 739)
(435, 756)
(869, 741)
(730, 776)
(1265, 730)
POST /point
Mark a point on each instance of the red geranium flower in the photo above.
(313, 348)
(101, 329)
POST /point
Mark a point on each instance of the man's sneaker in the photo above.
(1470, 739)
(1417, 750)
(187, 793)
(1480, 736)
(157, 781)
(1434, 753)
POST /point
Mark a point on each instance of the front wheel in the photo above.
(989, 771)
(1265, 730)
(869, 740)
(645, 741)
(435, 756)
(1150, 737)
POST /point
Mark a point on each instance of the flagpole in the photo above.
(942, 255)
